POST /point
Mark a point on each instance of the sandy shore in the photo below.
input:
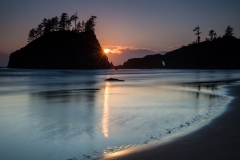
(220, 139)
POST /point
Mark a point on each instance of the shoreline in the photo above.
(219, 139)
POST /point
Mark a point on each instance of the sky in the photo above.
(128, 28)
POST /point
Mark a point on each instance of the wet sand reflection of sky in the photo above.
(105, 114)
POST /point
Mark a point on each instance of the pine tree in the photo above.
(89, 26)
(83, 26)
(46, 25)
(32, 35)
(54, 23)
(68, 24)
(63, 21)
(212, 34)
(229, 32)
(197, 33)
(79, 27)
(74, 18)
(39, 30)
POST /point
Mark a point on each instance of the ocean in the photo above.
(67, 114)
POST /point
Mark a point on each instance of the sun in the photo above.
(106, 51)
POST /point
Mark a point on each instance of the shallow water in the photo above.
(64, 114)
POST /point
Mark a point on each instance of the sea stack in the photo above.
(61, 50)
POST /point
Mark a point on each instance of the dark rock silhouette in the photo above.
(147, 62)
(113, 79)
(61, 50)
(221, 53)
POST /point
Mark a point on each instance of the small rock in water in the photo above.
(113, 79)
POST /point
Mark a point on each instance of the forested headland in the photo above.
(215, 52)
(61, 43)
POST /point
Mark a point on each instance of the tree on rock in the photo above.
(197, 33)
(83, 26)
(47, 25)
(69, 24)
(32, 35)
(79, 27)
(90, 24)
(212, 34)
(74, 19)
(39, 30)
(229, 32)
(55, 22)
(63, 22)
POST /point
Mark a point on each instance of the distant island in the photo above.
(56, 44)
(213, 53)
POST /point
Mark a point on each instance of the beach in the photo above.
(152, 114)
(220, 139)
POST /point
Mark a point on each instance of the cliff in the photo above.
(61, 50)
(221, 53)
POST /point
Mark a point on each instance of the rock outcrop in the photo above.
(61, 50)
(147, 62)
(221, 53)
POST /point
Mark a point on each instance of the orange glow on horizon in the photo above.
(106, 51)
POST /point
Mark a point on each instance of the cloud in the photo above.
(119, 54)
(174, 47)
(4, 57)
(120, 49)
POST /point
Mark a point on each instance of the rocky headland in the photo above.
(221, 53)
(61, 50)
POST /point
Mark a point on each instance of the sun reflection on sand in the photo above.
(105, 114)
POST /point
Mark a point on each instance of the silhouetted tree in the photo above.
(212, 34)
(47, 25)
(39, 30)
(54, 23)
(229, 32)
(63, 23)
(83, 26)
(69, 24)
(74, 18)
(90, 24)
(197, 33)
(32, 35)
(79, 27)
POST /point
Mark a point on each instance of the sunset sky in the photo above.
(128, 28)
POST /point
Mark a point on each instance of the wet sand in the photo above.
(220, 139)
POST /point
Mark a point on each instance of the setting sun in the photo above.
(106, 51)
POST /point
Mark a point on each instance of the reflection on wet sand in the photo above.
(67, 95)
(105, 118)
(47, 103)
